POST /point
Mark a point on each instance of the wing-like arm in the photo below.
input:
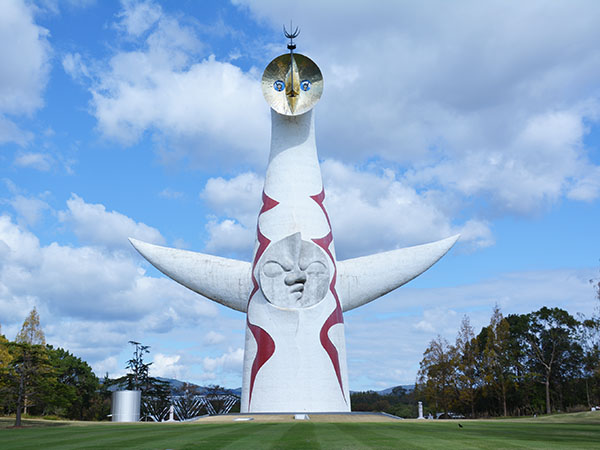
(226, 281)
(361, 280)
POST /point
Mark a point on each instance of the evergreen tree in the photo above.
(591, 364)
(591, 345)
(5, 364)
(74, 387)
(526, 397)
(27, 374)
(137, 379)
(553, 347)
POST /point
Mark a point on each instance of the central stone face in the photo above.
(295, 273)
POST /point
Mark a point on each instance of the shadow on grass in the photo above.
(9, 423)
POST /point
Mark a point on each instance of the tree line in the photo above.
(37, 379)
(523, 364)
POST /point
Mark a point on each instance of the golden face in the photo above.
(292, 84)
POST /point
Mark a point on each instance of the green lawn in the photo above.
(580, 430)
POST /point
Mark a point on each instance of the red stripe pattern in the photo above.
(336, 316)
(265, 346)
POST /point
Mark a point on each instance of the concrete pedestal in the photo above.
(420, 411)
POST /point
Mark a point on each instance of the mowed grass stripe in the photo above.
(421, 435)
(442, 435)
(543, 435)
(146, 437)
(404, 435)
(59, 437)
(237, 435)
(331, 437)
(136, 436)
(370, 436)
(483, 435)
(299, 435)
(76, 437)
(308, 435)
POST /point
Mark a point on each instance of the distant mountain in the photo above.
(177, 384)
(408, 387)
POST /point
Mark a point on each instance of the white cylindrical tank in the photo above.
(126, 406)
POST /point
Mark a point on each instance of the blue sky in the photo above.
(146, 119)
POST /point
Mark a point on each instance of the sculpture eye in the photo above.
(279, 85)
(273, 269)
(317, 268)
(305, 85)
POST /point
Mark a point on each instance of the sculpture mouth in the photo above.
(297, 290)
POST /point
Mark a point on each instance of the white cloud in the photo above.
(385, 213)
(54, 6)
(408, 319)
(232, 360)
(486, 110)
(170, 194)
(236, 201)
(193, 106)
(10, 132)
(586, 188)
(94, 225)
(483, 98)
(229, 237)
(238, 197)
(168, 366)
(440, 320)
(39, 161)
(24, 67)
(91, 301)
(75, 67)
(138, 17)
(535, 170)
(212, 337)
(29, 209)
(108, 365)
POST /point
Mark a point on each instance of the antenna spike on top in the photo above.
(293, 33)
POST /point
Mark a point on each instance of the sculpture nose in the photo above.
(292, 84)
(295, 276)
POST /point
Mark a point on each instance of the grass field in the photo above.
(580, 430)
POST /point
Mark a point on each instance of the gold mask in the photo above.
(292, 84)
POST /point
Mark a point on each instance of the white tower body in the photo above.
(295, 356)
(294, 291)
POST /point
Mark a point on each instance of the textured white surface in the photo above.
(300, 375)
(294, 273)
(226, 281)
(295, 352)
(365, 279)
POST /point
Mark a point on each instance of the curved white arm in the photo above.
(226, 281)
(362, 280)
